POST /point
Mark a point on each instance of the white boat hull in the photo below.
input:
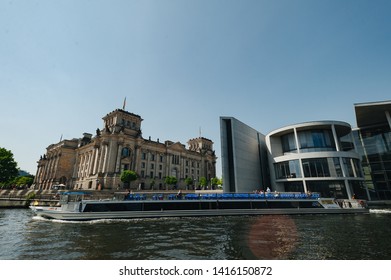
(85, 216)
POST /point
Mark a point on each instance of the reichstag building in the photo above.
(95, 162)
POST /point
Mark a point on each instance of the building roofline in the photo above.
(374, 103)
(309, 125)
(372, 113)
(122, 111)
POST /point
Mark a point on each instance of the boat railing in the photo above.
(135, 197)
(230, 196)
(214, 196)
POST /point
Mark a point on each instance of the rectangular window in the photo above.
(317, 167)
(175, 159)
(288, 143)
(288, 169)
(348, 167)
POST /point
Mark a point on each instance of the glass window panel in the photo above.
(348, 167)
(288, 143)
(288, 169)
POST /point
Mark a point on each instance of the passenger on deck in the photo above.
(127, 196)
(179, 195)
(268, 190)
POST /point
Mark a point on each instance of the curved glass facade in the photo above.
(309, 141)
(322, 167)
(316, 140)
(316, 157)
(288, 143)
(318, 167)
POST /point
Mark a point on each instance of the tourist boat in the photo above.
(73, 206)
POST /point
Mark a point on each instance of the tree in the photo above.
(214, 182)
(171, 180)
(188, 182)
(203, 182)
(23, 180)
(8, 166)
(128, 176)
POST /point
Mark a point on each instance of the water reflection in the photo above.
(262, 237)
(272, 237)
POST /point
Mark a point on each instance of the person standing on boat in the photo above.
(127, 196)
(268, 190)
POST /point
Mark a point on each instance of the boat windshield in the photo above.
(72, 196)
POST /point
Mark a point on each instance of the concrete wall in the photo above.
(243, 154)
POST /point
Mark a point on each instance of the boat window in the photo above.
(108, 207)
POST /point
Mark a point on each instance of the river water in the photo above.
(305, 237)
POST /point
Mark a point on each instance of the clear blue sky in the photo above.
(182, 64)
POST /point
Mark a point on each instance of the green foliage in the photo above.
(8, 166)
(203, 182)
(128, 176)
(188, 181)
(23, 180)
(30, 197)
(214, 181)
(171, 180)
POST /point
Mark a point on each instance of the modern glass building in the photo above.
(373, 142)
(328, 157)
(315, 157)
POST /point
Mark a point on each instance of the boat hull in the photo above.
(86, 216)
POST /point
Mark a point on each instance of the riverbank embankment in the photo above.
(23, 198)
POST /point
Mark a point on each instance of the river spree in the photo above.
(314, 237)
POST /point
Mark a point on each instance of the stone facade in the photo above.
(96, 162)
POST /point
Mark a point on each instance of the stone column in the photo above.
(101, 158)
(105, 155)
(91, 163)
(96, 153)
(111, 156)
(118, 161)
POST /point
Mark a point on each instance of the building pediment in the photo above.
(177, 147)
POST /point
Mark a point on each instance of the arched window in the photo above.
(125, 152)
